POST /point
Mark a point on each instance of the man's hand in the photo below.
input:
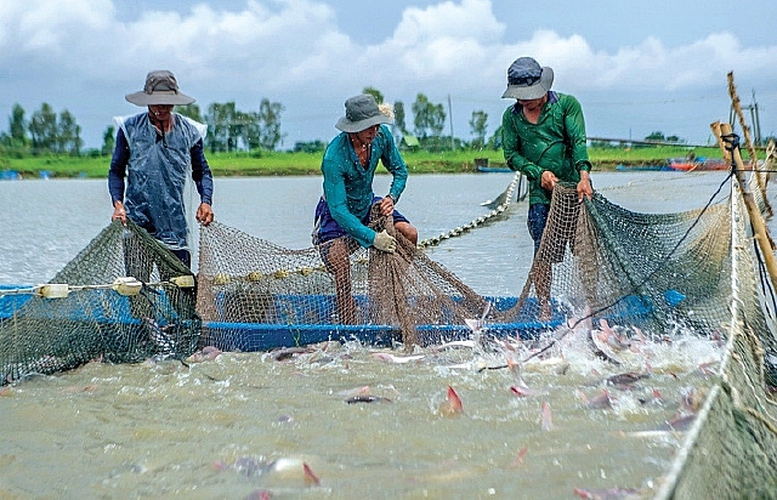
(204, 214)
(548, 180)
(385, 242)
(387, 206)
(584, 186)
(119, 213)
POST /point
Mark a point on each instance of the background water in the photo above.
(161, 430)
(44, 224)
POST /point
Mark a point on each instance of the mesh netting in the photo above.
(696, 272)
(658, 272)
(731, 451)
(88, 312)
(337, 290)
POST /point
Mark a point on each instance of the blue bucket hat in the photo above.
(526, 80)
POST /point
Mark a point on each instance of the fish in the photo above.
(546, 419)
(367, 399)
(519, 457)
(311, 479)
(289, 352)
(452, 405)
(251, 467)
(600, 401)
(207, 353)
(525, 392)
(626, 380)
(390, 358)
(468, 344)
(476, 325)
(679, 423)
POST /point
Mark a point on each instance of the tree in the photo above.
(316, 146)
(109, 140)
(655, 136)
(495, 142)
(374, 93)
(399, 117)
(479, 125)
(69, 134)
(17, 128)
(191, 111)
(429, 118)
(269, 120)
(219, 118)
(43, 129)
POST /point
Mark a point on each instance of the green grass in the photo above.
(284, 163)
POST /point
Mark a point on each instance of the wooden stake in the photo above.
(732, 90)
(761, 233)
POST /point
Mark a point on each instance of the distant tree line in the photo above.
(231, 129)
(44, 132)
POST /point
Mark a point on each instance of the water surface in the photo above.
(212, 430)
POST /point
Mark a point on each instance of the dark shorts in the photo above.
(327, 228)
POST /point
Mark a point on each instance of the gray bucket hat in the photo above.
(526, 80)
(361, 112)
(161, 88)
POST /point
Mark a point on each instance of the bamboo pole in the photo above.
(761, 233)
(716, 132)
(737, 105)
(771, 158)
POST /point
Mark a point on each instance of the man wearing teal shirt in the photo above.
(343, 212)
(543, 135)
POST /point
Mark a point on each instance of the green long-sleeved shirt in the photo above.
(348, 185)
(557, 142)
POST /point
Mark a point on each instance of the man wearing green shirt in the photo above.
(343, 212)
(543, 135)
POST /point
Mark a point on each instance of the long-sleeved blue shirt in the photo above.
(348, 185)
(156, 167)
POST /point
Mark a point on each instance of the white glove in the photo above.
(385, 242)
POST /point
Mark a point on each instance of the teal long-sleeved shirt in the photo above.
(557, 142)
(348, 185)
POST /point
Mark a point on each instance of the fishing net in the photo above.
(253, 294)
(731, 451)
(658, 272)
(123, 298)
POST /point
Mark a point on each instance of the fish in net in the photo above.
(123, 298)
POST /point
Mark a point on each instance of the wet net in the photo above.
(731, 450)
(697, 272)
(661, 273)
(254, 294)
(123, 298)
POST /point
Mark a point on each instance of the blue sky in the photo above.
(636, 67)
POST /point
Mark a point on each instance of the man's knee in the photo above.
(409, 232)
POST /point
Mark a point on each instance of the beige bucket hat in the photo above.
(161, 88)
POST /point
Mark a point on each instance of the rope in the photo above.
(458, 231)
(124, 286)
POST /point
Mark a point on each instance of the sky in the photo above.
(636, 67)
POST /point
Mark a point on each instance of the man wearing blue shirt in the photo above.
(343, 212)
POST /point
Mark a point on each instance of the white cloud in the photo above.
(293, 52)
